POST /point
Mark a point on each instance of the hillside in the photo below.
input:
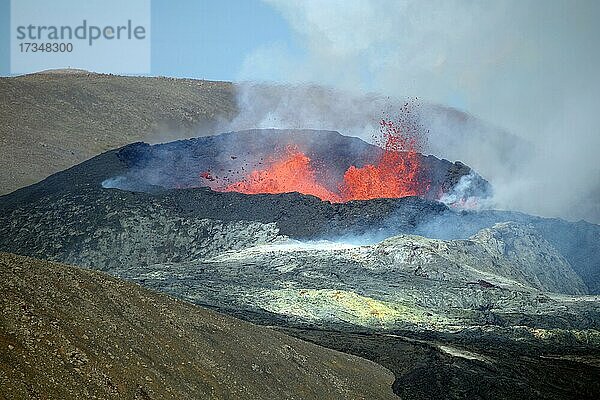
(71, 333)
(56, 119)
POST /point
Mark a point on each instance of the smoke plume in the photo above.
(529, 69)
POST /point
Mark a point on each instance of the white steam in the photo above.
(528, 68)
(459, 196)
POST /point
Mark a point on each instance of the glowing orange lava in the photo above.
(397, 173)
(291, 173)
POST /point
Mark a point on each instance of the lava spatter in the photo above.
(398, 171)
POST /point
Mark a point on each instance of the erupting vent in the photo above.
(396, 173)
(324, 164)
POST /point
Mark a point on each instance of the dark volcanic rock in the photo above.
(462, 367)
(229, 156)
(186, 241)
(578, 241)
(66, 225)
(62, 217)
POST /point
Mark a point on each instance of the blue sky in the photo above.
(198, 39)
(211, 39)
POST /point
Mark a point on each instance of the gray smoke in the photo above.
(529, 69)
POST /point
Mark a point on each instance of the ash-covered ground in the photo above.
(457, 303)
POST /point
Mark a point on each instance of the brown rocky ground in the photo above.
(67, 332)
(53, 120)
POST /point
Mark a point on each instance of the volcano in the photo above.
(459, 302)
(324, 164)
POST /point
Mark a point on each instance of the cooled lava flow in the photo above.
(397, 173)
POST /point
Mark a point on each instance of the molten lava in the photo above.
(291, 173)
(397, 173)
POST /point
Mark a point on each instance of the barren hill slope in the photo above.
(67, 332)
(56, 119)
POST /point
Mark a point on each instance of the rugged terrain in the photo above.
(456, 304)
(485, 304)
(70, 333)
(53, 120)
(71, 217)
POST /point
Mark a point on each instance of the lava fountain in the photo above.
(398, 171)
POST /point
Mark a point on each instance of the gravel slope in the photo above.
(71, 333)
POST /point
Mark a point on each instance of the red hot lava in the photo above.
(397, 172)
(291, 173)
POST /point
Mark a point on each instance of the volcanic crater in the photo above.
(325, 164)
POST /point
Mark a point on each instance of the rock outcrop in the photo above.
(505, 253)
(403, 282)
